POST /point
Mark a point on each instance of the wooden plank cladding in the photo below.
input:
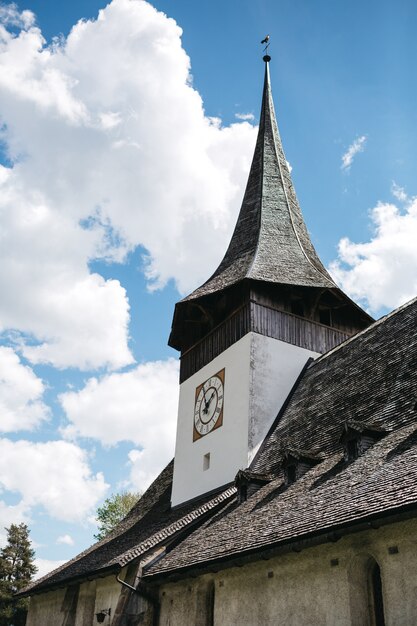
(218, 340)
(295, 330)
(265, 321)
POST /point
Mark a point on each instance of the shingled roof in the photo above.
(270, 242)
(150, 523)
(371, 378)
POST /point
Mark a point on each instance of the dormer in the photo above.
(247, 483)
(357, 438)
(296, 463)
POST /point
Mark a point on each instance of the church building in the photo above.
(292, 497)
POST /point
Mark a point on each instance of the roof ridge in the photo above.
(276, 140)
(125, 525)
(262, 119)
(165, 532)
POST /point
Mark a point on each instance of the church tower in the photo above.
(246, 334)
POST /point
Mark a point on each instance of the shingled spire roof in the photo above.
(270, 241)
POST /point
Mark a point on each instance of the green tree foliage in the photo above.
(17, 569)
(113, 511)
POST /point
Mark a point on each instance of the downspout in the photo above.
(143, 591)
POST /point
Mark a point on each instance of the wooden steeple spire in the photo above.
(270, 256)
(270, 241)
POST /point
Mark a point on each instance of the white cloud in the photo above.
(357, 146)
(21, 391)
(145, 464)
(45, 566)
(72, 317)
(65, 539)
(381, 272)
(132, 159)
(138, 406)
(398, 192)
(55, 475)
(11, 16)
(249, 117)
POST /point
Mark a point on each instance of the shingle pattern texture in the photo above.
(270, 241)
(150, 523)
(371, 379)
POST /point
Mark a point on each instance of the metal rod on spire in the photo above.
(266, 56)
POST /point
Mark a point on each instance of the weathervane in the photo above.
(265, 41)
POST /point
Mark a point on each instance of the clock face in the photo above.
(208, 407)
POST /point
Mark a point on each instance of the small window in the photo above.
(376, 599)
(352, 449)
(242, 493)
(206, 461)
(210, 600)
(290, 474)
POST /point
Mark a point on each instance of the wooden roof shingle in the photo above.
(270, 242)
(371, 379)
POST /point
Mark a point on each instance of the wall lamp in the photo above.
(101, 616)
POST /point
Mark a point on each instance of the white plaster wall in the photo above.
(275, 366)
(107, 594)
(102, 593)
(305, 589)
(45, 609)
(259, 374)
(86, 604)
(227, 445)
(294, 589)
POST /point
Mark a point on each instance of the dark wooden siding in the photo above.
(265, 321)
(295, 330)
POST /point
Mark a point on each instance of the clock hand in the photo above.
(210, 399)
(206, 404)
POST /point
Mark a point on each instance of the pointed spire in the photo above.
(270, 242)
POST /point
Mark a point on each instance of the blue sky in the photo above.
(125, 150)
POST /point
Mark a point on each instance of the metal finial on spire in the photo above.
(266, 57)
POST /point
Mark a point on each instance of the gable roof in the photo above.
(151, 522)
(270, 241)
(371, 378)
(326, 499)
